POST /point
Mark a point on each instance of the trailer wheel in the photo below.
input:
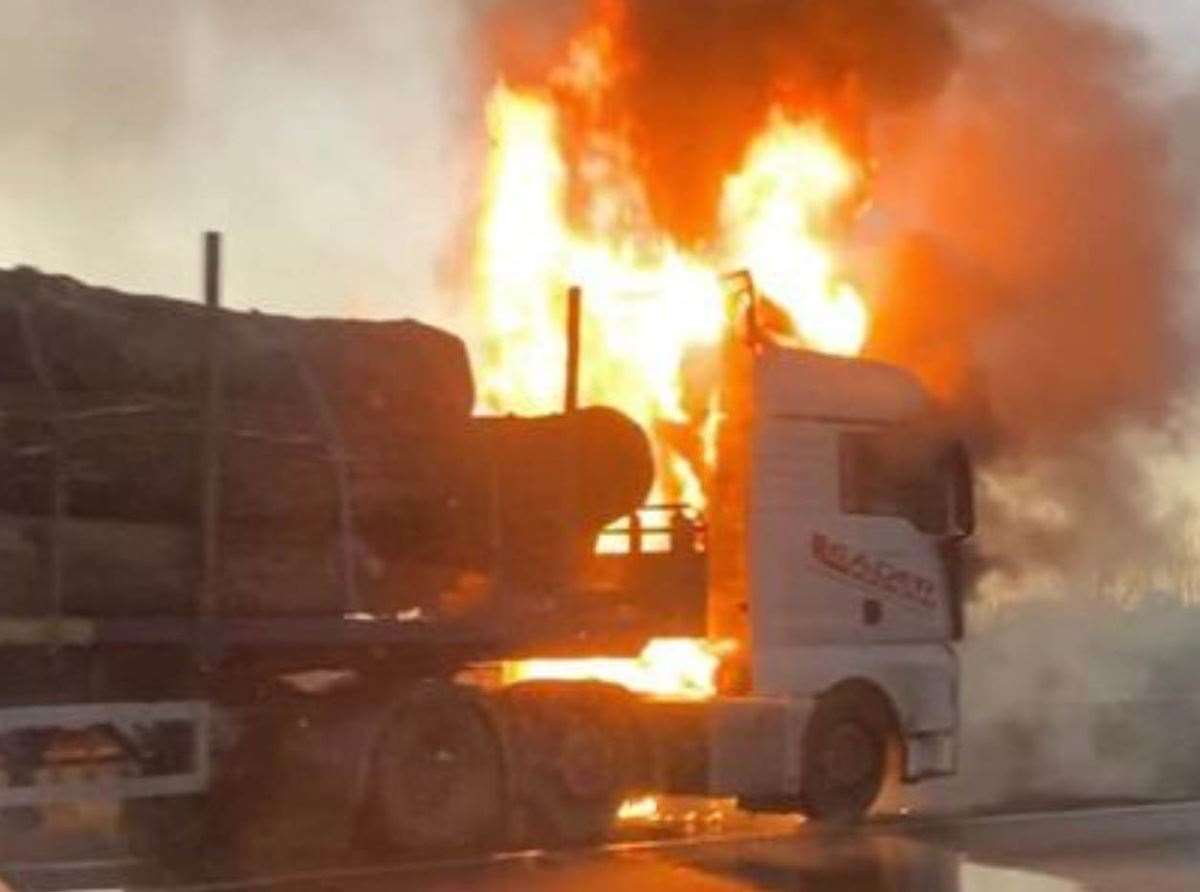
(439, 773)
(846, 755)
(577, 753)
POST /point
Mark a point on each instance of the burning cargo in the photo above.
(357, 495)
(349, 459)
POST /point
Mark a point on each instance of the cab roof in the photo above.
(792, 382)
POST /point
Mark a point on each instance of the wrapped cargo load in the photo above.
(326, 423)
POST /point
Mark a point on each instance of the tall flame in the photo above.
(648, 300)
(651, 305)
(772, 210)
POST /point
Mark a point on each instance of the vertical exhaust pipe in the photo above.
(212, 421)
(571, 390)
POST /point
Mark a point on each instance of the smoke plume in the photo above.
(1032, 261)
(696, 81)
(1025, 247)
(1033, 276)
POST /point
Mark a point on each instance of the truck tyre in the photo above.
(846, 755)
(577, 754)
(439, 774)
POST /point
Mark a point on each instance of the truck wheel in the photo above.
(846, 749)
(439, 773)
(577, 754)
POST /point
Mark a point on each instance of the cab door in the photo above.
(847, 527)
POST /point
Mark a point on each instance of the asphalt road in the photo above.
(1119, 849)
(1130, 848)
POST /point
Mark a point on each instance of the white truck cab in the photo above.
(856, 512)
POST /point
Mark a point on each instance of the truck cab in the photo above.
(835, 527)
(856, 508)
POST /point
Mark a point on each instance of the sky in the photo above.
(1173, 26)
(332, 143)
(324, 139)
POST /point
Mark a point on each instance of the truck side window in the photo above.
(885, 474)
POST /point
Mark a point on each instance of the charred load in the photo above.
(353, 475)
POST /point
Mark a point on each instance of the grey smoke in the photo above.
(1039, 273)
(325, 139)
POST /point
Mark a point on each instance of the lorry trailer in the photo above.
(258, 598)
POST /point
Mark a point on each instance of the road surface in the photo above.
(1152, 848)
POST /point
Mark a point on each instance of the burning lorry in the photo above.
(267, 583)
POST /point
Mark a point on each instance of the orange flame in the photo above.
(641, 808)
(683, 668)
(648, 301)
(773, 209)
